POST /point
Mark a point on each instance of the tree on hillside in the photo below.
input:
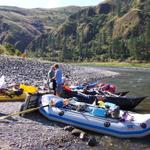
(118, 7)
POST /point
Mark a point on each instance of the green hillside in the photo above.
(19, 26)
(113, 30)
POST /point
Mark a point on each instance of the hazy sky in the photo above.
(48, 3)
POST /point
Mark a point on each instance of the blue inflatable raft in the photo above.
(126, 125)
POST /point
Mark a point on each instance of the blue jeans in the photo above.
(59, 89)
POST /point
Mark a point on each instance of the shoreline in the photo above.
(131, 65)
(34, 131)
(32, 71)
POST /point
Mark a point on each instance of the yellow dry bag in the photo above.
(29, 88)
(101, 104)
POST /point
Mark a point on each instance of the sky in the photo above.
(48, 3)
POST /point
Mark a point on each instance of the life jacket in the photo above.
(67, 88)
(108, 88)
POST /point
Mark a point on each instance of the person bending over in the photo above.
(51, 79)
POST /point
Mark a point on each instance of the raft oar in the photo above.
(59, 111)
(21, 112)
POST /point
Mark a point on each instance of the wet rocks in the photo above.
(76, 132)
(92, 141)
(68, 128)
(83, 136)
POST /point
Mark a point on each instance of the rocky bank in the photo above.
(34, 132)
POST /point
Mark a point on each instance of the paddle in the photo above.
(57, 110)
(21, 112)
(111, 94)
(107, 93)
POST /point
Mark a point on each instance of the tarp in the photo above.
(2, 82)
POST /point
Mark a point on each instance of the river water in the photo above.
(135, 80)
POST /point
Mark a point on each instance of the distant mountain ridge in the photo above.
(19, 26)
(114, 29)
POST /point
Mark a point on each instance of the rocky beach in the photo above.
(34, 132)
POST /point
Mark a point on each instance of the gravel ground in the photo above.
(34, 132)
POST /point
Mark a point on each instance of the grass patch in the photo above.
(114, 64)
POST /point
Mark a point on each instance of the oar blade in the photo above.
(21, 112)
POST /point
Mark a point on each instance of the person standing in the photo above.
(51, 79)
(58, 78)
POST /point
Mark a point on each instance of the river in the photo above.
(135, 80)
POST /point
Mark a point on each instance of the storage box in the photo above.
(98, 112)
